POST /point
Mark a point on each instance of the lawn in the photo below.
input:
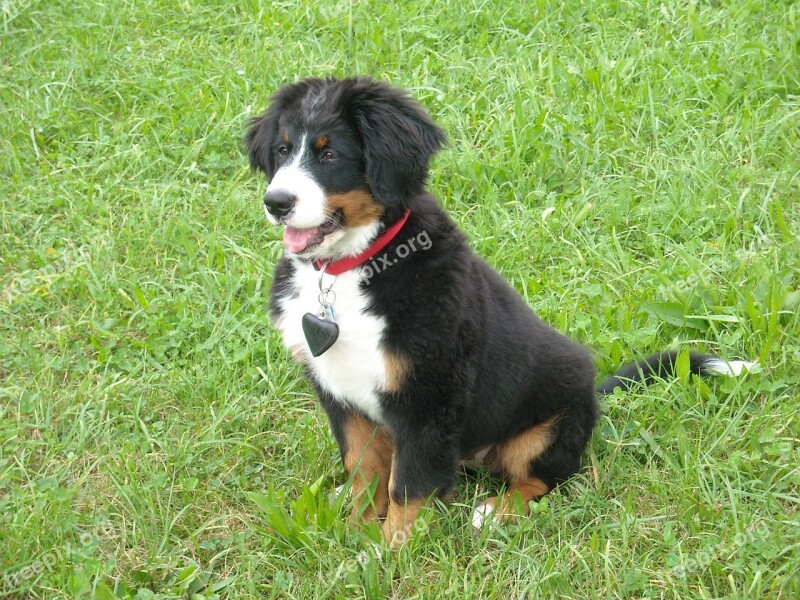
(631, 166)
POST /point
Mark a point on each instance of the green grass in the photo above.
(630, 166)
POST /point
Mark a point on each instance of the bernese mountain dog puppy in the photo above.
(421, 354)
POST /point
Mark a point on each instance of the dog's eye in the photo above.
(327, 155)
(283, 151)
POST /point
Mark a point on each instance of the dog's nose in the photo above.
(279, 203)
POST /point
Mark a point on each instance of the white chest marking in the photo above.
(353, 370)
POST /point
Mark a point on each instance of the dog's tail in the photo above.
(663, 364)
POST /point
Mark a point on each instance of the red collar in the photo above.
(337, 267)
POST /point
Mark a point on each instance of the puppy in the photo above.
(421, 354)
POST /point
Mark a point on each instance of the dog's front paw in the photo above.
(396, 536)
(403, 521)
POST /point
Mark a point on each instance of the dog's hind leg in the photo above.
(515, 459)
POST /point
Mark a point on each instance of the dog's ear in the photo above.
(262, 132)
(398, 137)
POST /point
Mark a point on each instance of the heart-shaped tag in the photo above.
(320, 334)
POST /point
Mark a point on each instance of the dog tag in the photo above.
(320, 333)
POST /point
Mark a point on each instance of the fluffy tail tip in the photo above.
(728, 368)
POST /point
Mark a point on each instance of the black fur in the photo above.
(399, 140)
(646, 370)
(483, 366)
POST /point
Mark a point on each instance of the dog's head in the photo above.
(344, 158)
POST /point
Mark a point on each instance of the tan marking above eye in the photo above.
(285, 137)
(321, 142)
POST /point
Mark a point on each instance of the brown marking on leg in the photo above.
(321, 142)
(369, 454)
(397, 368)
(514, 502)
(400, 521)
(358, 207)
(401, 517)
(513, 459)
(515, 455)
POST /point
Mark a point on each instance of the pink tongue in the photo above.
(296, 240)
